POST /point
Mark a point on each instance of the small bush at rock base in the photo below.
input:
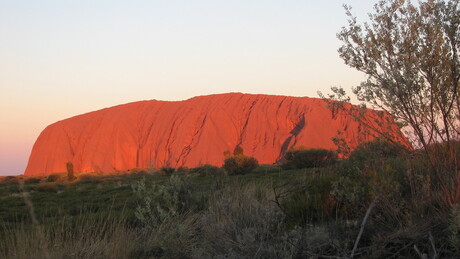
(310, 158)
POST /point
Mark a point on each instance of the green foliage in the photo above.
(409, 53)
(313, 203)
(376, 152)
(47, 187)
(206, 170)
(183, 169)
(352, 190)
(445, 156)
(10, 179)
(162, 203)
(276, 213)
(454, 228)
(242, 223)
(32, 180)
(80, 237)
(375, 169)
(53, 177)
(267, 169)
(310, 158)
(167, 170)
(240, 164)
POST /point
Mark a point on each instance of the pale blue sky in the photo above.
(62, 58)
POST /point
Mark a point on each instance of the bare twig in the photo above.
(422, 256)
(283, 193)
(395, 255)
(363, 223)
(435, 254)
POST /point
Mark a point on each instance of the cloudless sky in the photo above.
(63, 58)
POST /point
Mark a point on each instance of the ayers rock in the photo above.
(193, 132)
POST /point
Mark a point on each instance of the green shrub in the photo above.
(312, 203)
(239, 223)
(182, 169)
(352, 190)
(265, 169)
(53, 177)
(32, 180)
(11, 179)
(47, 187)
(239, 163)
(206, 170)
(310, 158)
(377, 151)
(162, 202)
(167, 170)
(454, 228)
(358, 185)
(137, 171)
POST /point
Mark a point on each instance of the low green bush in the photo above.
(310, 158)
(167, 170)
(206, 170)
(32, 180)
(54, 177)
(312, 203)
(377, 151)
(239, 163)
(162, 203)
(10, 179)
(265, 169)
(47, 187)
(182, 169)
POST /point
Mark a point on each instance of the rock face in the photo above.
(193, 132)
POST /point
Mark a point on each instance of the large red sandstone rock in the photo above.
(191, 133)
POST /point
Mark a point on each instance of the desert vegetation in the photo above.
(380, 199)
(239, 163)
(383, 201)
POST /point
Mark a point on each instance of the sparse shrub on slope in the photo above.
(309, 158)
(167, 169)
(375, 170)
(10, 179)
(313, 203)
(182, 169)
(47, 187)
(378, 150)
(239, 163)
(162, 202)
(32, 180)
(242, 223)
(454, 229)
(53, 177)
(166, 214)
(446, 154)
(206, 170)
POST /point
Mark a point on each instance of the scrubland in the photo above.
(384, 201)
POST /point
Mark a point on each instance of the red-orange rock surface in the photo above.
(191, 133)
